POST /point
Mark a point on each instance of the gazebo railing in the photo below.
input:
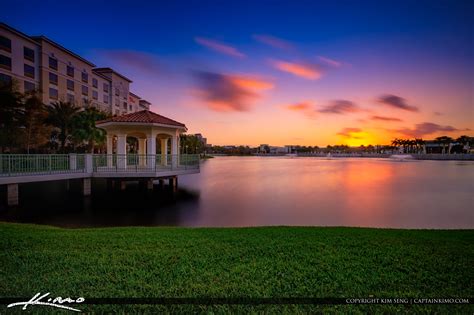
(144, 163)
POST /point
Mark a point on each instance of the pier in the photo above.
(16, 169)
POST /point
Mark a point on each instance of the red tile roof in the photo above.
(143, 117)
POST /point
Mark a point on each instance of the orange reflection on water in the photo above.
(366, 186)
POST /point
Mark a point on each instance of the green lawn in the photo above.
(241, 262)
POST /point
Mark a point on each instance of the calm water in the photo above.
(255, 191)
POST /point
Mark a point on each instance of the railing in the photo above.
(50, 164)
(103, 163)
(41, 164)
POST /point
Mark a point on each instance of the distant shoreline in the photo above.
(429, 157)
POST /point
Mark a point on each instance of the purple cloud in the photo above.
(426, 128)
(138, 60)
(340, 107)
(330, 62)
(226, 93)
(396, 102)
(219, 47)
(273, 41)
(384, 118)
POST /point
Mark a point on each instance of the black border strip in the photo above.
(259, 301)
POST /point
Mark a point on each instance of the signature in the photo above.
(37, 299)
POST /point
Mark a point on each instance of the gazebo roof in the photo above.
(142, 117)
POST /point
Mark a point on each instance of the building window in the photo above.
(53, 63)
(29, 71)
(70, 85)
(95, 95)
(29, 86)
(117, 102)
(125, 106)
(53, 78)
(106, 99)
(85, 101)
(95, 83)
(70, 98)
(5, 79)
(29, 54)
(53, 93)
(85, 90)
(70, 71)
(117, 92)
(5, 44)
(130, 108)
(106, 88)
(5, 62)
(85, 77)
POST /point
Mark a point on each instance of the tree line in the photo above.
(447, 144)
(27, 125)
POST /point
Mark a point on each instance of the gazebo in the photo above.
(147, 127)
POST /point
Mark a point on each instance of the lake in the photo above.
(259, 191)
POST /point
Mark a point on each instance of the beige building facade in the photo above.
(37, 62)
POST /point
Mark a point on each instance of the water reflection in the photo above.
(255, 191)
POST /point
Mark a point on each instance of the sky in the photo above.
(280, 72)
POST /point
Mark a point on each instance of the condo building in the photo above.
(38, 63)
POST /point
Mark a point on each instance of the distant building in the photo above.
(264, 148)
(291, 148)
(39, 63)
(277, 150)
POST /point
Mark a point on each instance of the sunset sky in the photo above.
(280, 72)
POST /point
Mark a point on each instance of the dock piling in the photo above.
(12, 195)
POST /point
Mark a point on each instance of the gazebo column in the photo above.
(141, 152)
(151, 151)
(110, 150)
(122, 151)
(164, 151)
(174, 151)
(178, 144)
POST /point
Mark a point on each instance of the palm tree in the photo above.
(465, 142)
(397, 143)
(33, 118)
(61, 115)
(84, 129)
(11, 110)
(445, 141)
(420, 143)
(404, 143)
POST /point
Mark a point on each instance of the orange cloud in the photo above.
(273, 41)
(251, 82)
(219, 47)
(305, 107)
(307, 71)
(228, 93)
(299, 106)
(350, 133)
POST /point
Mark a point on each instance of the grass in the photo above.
(243, 262)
